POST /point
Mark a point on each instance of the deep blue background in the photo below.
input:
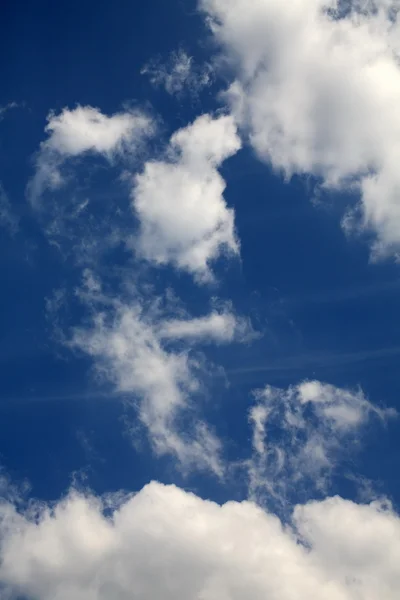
(325, 311)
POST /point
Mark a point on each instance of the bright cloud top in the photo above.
(184, 219)
(83, 129)
(343, 409)
(318, 88)
(86, 128)
(166, 543)
(299, 435)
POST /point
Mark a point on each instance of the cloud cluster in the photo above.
(184, 219)
(166, 543)
(309, 76)
(299, 436)
(318, 88)
(178, 203)
(82, 130)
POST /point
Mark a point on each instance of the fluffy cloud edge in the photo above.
(316, 88)
(183, 216)
(150, 350)
(164, 542)
(299, 435)
(82, 130)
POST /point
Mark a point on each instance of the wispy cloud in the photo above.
(179, 74)
(320, 360)
(84, 130)
(134, 346)
(8, 219)
(299, 436)
(218, 327)
(341, 295)
(7, 107)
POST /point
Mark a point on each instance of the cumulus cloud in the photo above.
(82, 130)
(318, 88)
(148, 355)
(299, 435)
(179, 74)
(184, 219)
(166, 543)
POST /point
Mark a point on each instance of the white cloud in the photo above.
(128, 353)
(344, 409)
(8, 219)
(73, 132)
(299, 435)
(184, 219)
(318, 89)
(81, 130)
(166, 543)
(134, 347)
(10, 106)
(179, 74)
(220, 327)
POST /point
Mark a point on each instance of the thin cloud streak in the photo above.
(307, 361)
(339, 295)
(81, 396)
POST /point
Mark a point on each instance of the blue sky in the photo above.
(199, 235)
